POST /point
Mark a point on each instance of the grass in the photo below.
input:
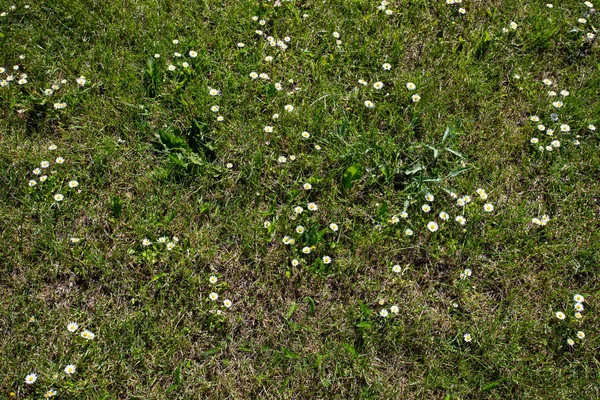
(151, 161)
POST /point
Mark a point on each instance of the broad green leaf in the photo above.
(458, 172)
(351, 174)
(291, 311)
(414, 170)
(456, 153)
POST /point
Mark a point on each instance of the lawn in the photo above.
(299, 199)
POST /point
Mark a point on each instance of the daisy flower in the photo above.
(560, 315)
(386, 66)
(570, 342)
(300, 229)
(70, 369)
(383, 313)
(73, 184)
(578, 307)
(369, 104)
(72, 327)
(411, 86)
(467, 337)
(213, 296)
(312, 207)
(289, 108)
(432, 226)
(146, 242)
(52, 147)
(170, 246)
(547, 82)
(75, 240)
(32, 183)
(460, 219)
(307, 186)
(193, 54)
(30, 379)
(378, 85)
(326, 259)
(213, 92)
(403, 215)
(444, 216)
(426, 208)
(60, 160)
(362, 82)
(298, 210)
(87, 335)
(581, 335)
(213, 279)
(227, 303)
(58, 197)
(334, 227)
(578, 298)
(488, 207)
(409, 232)
(415, 98)
(306, 250)
(268, 129)
(50, 393)
(396, 268)
(394, 309)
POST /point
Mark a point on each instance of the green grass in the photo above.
(151, 161)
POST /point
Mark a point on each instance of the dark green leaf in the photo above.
(351, 174)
